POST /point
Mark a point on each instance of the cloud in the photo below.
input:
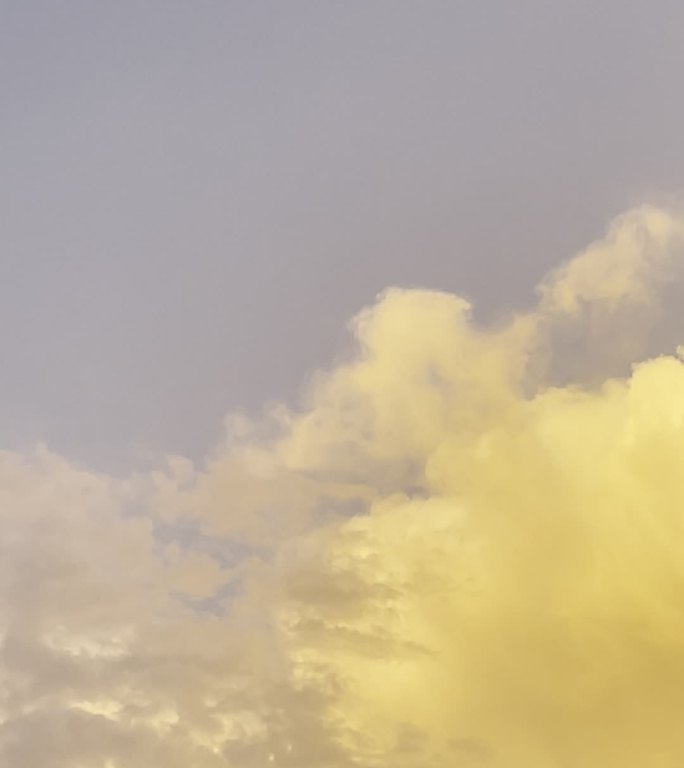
(463, 548)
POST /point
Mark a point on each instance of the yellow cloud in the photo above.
(463, 549)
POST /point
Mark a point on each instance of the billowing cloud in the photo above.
(462, 549)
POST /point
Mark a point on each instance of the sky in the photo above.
(342, 394)
(197, 197)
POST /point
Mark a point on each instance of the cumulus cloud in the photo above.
(462, 549)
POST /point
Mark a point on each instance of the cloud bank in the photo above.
(463, 548)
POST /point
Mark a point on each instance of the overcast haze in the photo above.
(197, 196)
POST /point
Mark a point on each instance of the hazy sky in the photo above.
(196, 196)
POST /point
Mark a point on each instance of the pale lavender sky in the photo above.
(196, 196)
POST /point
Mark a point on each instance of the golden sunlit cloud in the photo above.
(463, 549)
